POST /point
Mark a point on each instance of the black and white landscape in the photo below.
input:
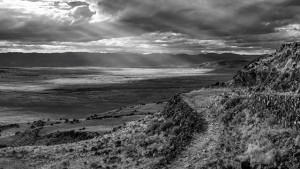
(94, 84)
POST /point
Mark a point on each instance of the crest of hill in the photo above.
(279, 71)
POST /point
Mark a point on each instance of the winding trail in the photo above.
(201, 149)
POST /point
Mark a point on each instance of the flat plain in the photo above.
(30, 94)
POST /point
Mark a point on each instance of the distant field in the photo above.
(32, 94)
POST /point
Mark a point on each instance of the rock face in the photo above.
(279, 71)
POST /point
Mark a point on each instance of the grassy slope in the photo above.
(261, 129)
(245, 131)
(152, 142)
(225, 128)
(67, 131)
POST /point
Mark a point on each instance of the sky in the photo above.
(148, 26)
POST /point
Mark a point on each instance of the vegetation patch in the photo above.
(180, 125)
(260, 131)
(32, 137)
(152, 142)
(9, 126)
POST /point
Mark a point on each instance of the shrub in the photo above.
(130, 150)
(286, 75)
(152, 127)
(271, 121)
(94, 165)
(2, 146)
(176, 130)
(118, 143)
(239, 118)
(231, 103)
(113, 160)
(166, 125)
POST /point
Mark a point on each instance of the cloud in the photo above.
(202, 18)
(153, 25)
(77, 3)
(45, 21)
(156, 42)
(80, 14)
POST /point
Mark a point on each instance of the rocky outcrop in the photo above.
(279, 71)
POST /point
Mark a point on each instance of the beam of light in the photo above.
(105, 26)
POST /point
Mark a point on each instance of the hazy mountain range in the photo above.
(113, 59)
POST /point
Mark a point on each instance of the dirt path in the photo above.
(199, 152)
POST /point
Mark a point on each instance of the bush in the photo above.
(152, 127)
(239, 118)
(130, 151)
(3, 146)
(176, 130)
(286, 75)
(94, 165)
(271, 121)
(231, 103)
(166, 125)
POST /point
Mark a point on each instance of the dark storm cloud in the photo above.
(227, 19)
(238, 24)
(291, 3)
(77, 3)
(39, 30)
(46, 24)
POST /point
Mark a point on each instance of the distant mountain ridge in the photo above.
(112, 59)
(279, 71)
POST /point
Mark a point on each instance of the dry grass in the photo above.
(133, 145)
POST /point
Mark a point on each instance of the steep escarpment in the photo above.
(279, 71)
(152, 142)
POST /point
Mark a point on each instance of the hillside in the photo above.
(112, 59)
(230, 127)
(279, 71)
(209, 128)
(152, 142)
